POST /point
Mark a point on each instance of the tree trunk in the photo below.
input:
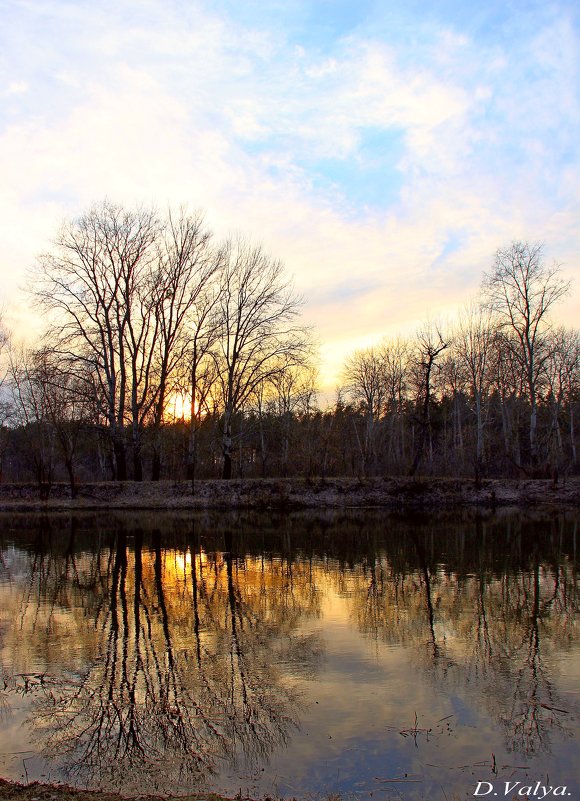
(137, 462)
(158, 421)
(424, 426)
(572, 434)
(192, 443)
(479, 441)
(505, 425)
(227, 448)
(156, 464)
(120, 459)
(286, 444)
(262, 447)
(71, 477)
(533, 428)
(479, 423)
(191, 449)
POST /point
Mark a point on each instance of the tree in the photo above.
(395, 354)
(507, 384)
(123, 288)
(429, 346)
(561, 378)
(4, 398)
(294, 391)
(259, 334)
(31, 412)
(473, 342)
(279, 405)
(365, 384)
(95, 285)
(185, 297)
(521, 290)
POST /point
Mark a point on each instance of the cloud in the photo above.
(388, 158)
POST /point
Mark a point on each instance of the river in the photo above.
(357, 653)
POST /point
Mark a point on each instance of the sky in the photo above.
(383, 150)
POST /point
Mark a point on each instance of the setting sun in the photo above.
(178, 408)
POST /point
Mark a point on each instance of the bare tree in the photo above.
(561, 376)
(473, 343)
(507, 383)
(395, 355)
(185, 296)
(521, 290)
(125, 290)
(429, 346)
(31, 413)
(260, 335)
(95, 285)
(366, 385)
(294, 394)
(278, 404)
(4, 393)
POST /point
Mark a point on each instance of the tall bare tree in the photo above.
(124, 289)
(260, 334)
(430, 344)
(562, 383)
(396, 354)
(521, 289)
(507, 383)
(31, 412)
(473, 343)
(4, 396)
(366, 385)
(185, 295)
(95, 285)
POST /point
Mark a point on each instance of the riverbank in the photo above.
(297, 493)
(12, 791)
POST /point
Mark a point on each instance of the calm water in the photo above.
(287, 657)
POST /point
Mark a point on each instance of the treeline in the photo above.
(169, 355)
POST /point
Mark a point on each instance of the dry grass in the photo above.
(297, 493)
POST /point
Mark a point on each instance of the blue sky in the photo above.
(382, 150)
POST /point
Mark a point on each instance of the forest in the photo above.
(168, 355)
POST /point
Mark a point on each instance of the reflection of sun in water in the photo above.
(182, 562)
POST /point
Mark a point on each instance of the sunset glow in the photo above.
(383, 152)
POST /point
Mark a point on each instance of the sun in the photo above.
(178, 408)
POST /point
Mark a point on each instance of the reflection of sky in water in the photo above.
(347, 653)
(368, 694)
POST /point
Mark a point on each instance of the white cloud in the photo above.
(17, 88)
(167, 108)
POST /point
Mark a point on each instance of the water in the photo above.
(354, 653)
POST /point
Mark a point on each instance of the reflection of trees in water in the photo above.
(186, 677)
(195, 653)
(486, 626)
(544, 615)
(135, 711)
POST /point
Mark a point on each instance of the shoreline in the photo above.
(38, 791)
(391, 494)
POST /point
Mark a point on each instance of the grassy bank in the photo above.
(297, 493)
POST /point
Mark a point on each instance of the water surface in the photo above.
(354, 653)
